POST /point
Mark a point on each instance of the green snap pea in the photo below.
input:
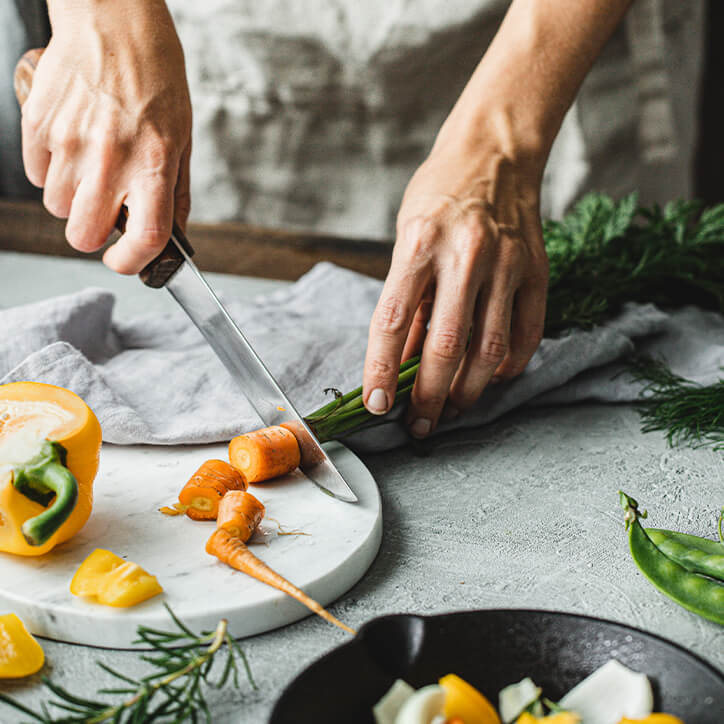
(700, 555)
(699, 594)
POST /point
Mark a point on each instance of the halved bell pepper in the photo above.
(560, 717)
(464, 701)
(50, 443)
(654, 719)
(112, 581)
(20, 653)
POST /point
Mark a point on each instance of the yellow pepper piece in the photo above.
(32, 413)
(560, 717)
(112, 581)
(463, 701)
(20, 653)
(654, 719)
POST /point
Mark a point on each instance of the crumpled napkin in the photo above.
(153, 379)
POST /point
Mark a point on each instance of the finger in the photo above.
(529, 306)
(489, 343)
(148, 229)
(418, 329)
(528, 319)
(182, 192)
(389, 327)
(93, 213)
(60, 186)
(442, 352)
(36, 156)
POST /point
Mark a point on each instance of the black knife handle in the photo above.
(158, 271)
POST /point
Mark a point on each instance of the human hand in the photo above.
(469, 259)
(108, 122)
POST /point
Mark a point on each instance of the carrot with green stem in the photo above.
(207, 486)
(239, 514)
(265, 454)
(234, 553)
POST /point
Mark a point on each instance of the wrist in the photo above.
(77, 14)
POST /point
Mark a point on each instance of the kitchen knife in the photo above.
(174, 270)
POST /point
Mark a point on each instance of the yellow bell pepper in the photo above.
(50, 443)
(463, 701)
(560, 717)
(20, 653)
(112, 581)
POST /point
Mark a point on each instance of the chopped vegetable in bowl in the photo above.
(613, 694)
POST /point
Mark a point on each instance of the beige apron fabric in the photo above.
(314, 114)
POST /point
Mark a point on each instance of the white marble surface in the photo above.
(133, 482)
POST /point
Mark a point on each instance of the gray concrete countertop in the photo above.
(521, 513)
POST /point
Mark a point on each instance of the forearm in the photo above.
(532, 71)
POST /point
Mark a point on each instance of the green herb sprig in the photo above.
(687, 412)
(174, 692)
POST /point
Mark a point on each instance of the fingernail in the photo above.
(450, 412)
(420, 427)
(377, 402)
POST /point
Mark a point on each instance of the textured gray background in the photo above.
(521, 513)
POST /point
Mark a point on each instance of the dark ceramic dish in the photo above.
(490, 649)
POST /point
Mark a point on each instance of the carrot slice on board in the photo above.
(264, 454)
(207, 486)
(239, 514)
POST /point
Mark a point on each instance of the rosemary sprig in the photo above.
(689, 413)
(603, 254)
(174, 692)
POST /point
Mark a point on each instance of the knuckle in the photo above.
(428, 400)
(62, 135)
(419, 233)
(513, 255)
(55, 205)
(493, 349)
(159, 154)
(391, 315)
(380, 369)
(473, 236)
(83, 239)
(151, 239)
(32, 117)
(448, 344)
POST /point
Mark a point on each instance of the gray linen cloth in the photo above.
(154, 380)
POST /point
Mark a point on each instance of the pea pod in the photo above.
(699, 594)
(699, 555)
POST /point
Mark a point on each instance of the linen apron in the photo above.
(314, 114)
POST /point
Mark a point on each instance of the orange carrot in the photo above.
(207, 487)
(239, 514)
(234, 553)
(265, 453)
(309, 452)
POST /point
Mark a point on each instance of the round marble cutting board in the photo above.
(340, 542)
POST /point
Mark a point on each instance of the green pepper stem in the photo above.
(41, 479)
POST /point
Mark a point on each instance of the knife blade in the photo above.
(174, 270)
(189, 288)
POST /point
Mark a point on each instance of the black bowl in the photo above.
(490, 649)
